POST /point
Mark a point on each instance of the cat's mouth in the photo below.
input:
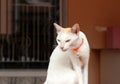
(64, 50)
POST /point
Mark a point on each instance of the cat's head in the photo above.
(66, 37)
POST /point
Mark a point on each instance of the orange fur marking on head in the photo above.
(67, 30)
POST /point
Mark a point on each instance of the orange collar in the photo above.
(76, 48)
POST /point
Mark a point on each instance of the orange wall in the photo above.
(92, 13)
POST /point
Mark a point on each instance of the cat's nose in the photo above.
(62, 47)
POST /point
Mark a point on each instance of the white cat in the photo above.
(69, 60)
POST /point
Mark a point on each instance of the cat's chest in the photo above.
(60, 58)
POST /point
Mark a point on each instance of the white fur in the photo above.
(60, 70)
(65, 67)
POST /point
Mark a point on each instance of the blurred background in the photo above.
(27, 37)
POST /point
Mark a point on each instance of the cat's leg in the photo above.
(85, 72)
(77, 66)
(80, 75)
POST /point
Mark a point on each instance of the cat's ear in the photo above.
(75, 28)
(58, 27)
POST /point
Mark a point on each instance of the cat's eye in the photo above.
(58, 40)
(67, 40)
